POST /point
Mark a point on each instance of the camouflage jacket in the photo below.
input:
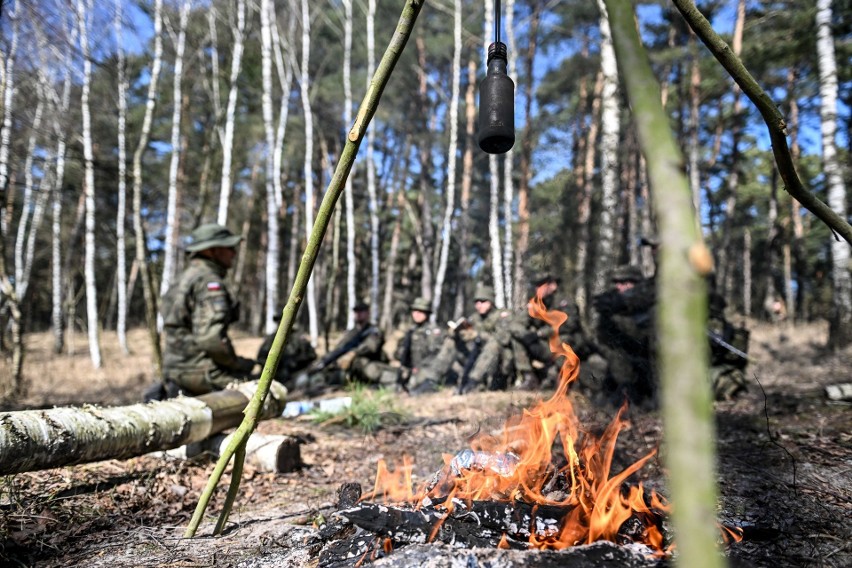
(419, 344)
(370, 346)
(492, 325)
(197, 311)
(297, 355)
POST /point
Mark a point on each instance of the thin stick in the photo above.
(368, 108)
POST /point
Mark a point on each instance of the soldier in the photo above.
(197, 311)
(297, 356)
(531, 337)
(420, 343)
(365, 341)
(626, 336)
(728, 350)
(488, 353)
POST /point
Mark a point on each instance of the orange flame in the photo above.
(597, 504)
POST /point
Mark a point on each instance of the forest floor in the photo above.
(785, 466)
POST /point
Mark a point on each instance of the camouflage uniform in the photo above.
(626, 338)
(197, 311)
(727, 369)
(421, 342)
(297, 356)
(369, 364)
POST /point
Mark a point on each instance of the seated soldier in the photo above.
(728, 350)
(297, 356)
(626, 337)
(419, 345)
(197, 311)
(369, 363)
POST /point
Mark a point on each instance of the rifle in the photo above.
(472, 356)
(717, 339)
(343, 349)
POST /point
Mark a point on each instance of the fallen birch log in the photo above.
(272, 453)
(41, 439)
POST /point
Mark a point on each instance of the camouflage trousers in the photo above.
(194, 382)
(728, 381)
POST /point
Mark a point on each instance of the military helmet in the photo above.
(626, 273)
(484, 292)
(421, 305)
(212, 235)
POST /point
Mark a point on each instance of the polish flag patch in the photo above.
(214, 286)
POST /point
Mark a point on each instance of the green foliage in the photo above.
(371, 410)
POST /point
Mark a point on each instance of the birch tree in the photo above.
(172, 218)
(226, 134)
(138, 227)
(8, 100)
(373, 204)
(271, 204)
(453, 119)
(466, 183)
(840, 334)
(609, 150)
(349, 200)
(84, 11)
(28, 210)
(494, 196)
(313, 325)
(509, 186)
(121, 206)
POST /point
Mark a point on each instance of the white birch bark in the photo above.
(84, 10)
(494, 196)
(141, 261)
(285, 79)
(453, 119)
(121, 216)
(29, 182)
(227, 135)
(693, 126)
(172, 219)
(313, 324)
(40, 439)
(349, 200)
(609, 151)
(841, 322)
(271, 283)
(746, 272)
(508, 169)
(8, 100)
(371, 171)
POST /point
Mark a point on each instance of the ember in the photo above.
(544, 483)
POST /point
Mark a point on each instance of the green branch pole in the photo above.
(682, 311)
(775, 122)
(368, 108)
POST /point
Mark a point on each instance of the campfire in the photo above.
(544, 483)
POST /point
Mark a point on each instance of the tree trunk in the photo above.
(584, 200)
(227, 134)
(693, 126)
(509, 189)
(453, 119)
(526, 162)
(840, 331)
(83, 12)
(747, 272)
(466, 183)
(610, 125)
(120, 222)
(349, 200)
(172, 217)
(31, 440)
(313, 323)
(373, 205)
(797, 308)
(494, 196)
(424, 196)
(272, 230)
(141, 245)
(8, 100)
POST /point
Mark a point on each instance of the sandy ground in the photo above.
(785, 466)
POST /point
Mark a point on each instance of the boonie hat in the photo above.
(484, 292)
(421, 305)
(544, 279)
(626, 273)
(212, 235)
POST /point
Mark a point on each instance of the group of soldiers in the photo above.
(492, 349)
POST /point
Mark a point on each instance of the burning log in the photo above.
(41, 439)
